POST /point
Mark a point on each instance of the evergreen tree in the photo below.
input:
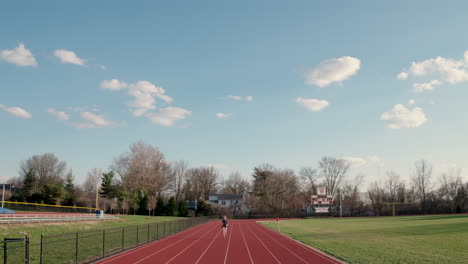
(182, 209)
(171, 207)
(159, 206)
(28, 184)
(107, 187)
(69, 185)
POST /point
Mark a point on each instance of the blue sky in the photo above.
(235, 83)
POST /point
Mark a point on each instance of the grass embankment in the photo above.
(412, 239)
(64, 248)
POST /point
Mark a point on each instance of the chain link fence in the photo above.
(88, 246)
(14, 250)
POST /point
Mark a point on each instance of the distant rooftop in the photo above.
(228, 196)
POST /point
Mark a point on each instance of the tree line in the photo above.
(143, 181)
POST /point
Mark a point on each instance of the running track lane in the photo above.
(247, 242)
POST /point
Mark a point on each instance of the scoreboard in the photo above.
(321, 201)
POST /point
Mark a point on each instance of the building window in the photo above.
(223, 202)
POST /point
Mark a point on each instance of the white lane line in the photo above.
(283, 246)
(264, 246)
(229, 243)
(245, 242)
(309, 248)
(164, 248)
(214, 238)
(189, 246)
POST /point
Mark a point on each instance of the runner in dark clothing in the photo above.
(224, 225)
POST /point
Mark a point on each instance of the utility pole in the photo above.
(97, 195)
(3, 195)
(341, 205)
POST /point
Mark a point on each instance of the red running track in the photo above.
(246, 242)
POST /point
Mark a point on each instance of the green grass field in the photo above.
(411, 239)
(62, 249)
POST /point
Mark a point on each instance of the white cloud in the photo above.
(355, 161)
(421, 87)
(312, 104)
(223, 115)
(374, 159)
(16, 111)
(92, 120)
(20, 56)
(333, 70)
(402, 117)
(402, 76)
(144, 93)
(60, 115)
(168, 116)
(240, 98)
(449, 70)
(68, 56)
(411, 102)
(218, 166)
(113, 85)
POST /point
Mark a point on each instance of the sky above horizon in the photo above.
(235, 84)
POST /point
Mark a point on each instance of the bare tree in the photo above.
(422, 181)
(203, 182)
(451, 185)
(236, 184)
(333, 171)
(47, 167)
(179, 173)
(393, 186)
(91, 186)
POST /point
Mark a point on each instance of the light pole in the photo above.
(3, 195)
(341, 205)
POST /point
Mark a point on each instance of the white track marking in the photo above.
(198, 260)
(229, 243)
(163, 249)
(264, 246)
(111, 258)
(188, 246)
(316, 252)
(245, 242)
(283, 246)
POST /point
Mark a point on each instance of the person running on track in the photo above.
(224, 225)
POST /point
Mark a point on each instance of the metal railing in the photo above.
(48, 218)
(15, 250)
(88, 246)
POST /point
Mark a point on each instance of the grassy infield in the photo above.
(412, 239)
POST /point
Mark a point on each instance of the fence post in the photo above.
(123, 238)
(26, 253)
(157, 231)
(41, 257)
(137, 235)
(103, 242)
(164, 233)
(148, 233)
(76, 246)
(5, 253)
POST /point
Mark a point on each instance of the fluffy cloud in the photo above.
(20, 56)
(144, 93)
(411, 102)
(240, 98)
(16, 111)
(68, 56)
(113, 85)
(223, 115)
(312, 104)
(429, 86)
(448, 70)
(402, 76)
(62, 116)
(168, 116)
(402, 117)
(333, 70)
